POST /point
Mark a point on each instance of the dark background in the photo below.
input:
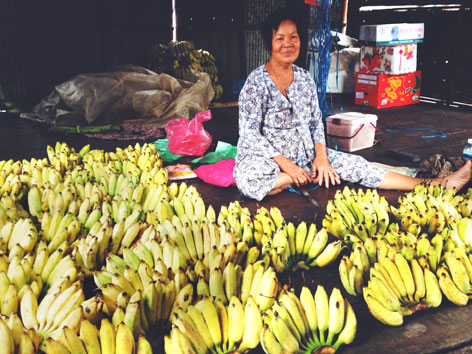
(44, 43)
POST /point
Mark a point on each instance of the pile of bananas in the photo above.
(156, 253)
(160, 258)
(178, 57)
(308, 323)
(404, 267)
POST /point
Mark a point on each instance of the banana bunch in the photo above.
(158, 295)
(179, 57)
(91, 251)
(60, 230)
(464, 205)
(131, 312)
(300, 247)
(427, 209)
(158, 58)
(208, 65)
(180, 50)
(55, 268)
(15, 278)
(455, 276)
(62, 157)
(196, 241)
(22, 233)
(461, 232)
(308, 323)
(14, 338)
(11, 210)
(59, 308)
(14, 186)
(211, 327)
(256, 280)
(90, 339)
(354, 269)
(161, 203)
(399, 288)
(184, 57)
(15, 177)
(239, 219)
(92, 309)
(363, 214)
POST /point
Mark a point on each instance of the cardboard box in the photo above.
(394, 60)
(392, 34)
(342, 71)
(381, 90)
(351, 131)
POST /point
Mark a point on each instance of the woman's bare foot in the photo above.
(277, 190)
(456, 179)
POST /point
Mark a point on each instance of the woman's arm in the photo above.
(251, 117)
(322, 167)
(299, 176)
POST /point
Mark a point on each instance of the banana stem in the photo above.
(84, 129)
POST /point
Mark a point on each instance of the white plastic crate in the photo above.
(351, 131)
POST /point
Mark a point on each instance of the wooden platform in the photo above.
(443, 330)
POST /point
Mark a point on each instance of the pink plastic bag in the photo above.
(219, 174)
(188, 137)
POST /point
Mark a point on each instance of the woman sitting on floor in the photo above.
(281, 133)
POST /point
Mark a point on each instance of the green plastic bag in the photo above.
(166, 155)
(223, 151)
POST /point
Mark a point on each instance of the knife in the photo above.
(310, 198)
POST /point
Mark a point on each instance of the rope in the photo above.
(391, 128)
(293, 190)
(321, 40)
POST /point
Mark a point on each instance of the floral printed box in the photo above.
(396, 59)
(382, 91)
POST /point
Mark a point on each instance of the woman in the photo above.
(281, 133)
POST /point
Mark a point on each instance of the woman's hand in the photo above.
(299, 176)
(323, 170)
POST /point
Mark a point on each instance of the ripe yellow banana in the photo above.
(336, 314)
(380, 312)
(252, 325)
(433, 290)
(449, 288)
(124, 342)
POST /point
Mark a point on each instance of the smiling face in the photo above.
(285, 43)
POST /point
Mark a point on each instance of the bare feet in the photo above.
(277, 190)
(456, 179)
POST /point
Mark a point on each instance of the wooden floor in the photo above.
(443, 330)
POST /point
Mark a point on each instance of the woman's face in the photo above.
(285, 43)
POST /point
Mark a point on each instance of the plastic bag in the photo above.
(219, 174)
(166, 155)
(129, 93)
(188, 137)
(223, 151)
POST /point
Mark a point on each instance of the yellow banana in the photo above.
(380, 312)
(433, 290)
(252, 325)
(348, 333)
(449, 288)
(124, 343)
(336, 314)
(322, 311)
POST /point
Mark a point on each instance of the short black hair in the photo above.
(273, 22)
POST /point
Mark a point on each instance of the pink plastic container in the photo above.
(351, 131)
